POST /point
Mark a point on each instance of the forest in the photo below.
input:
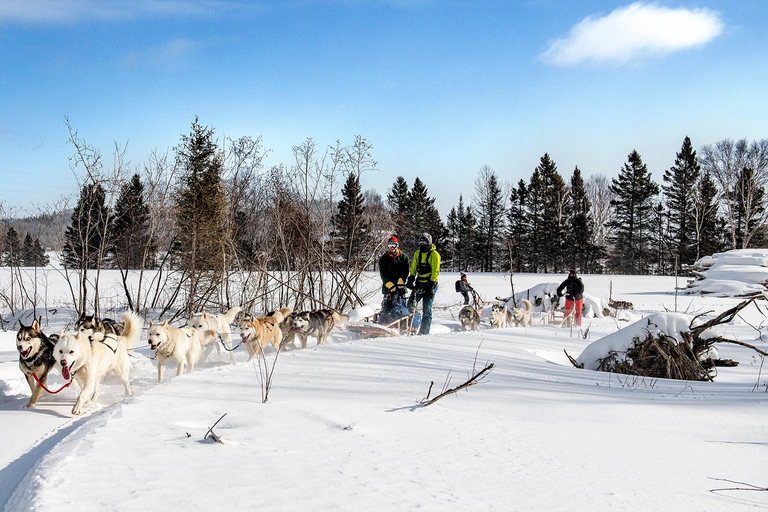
(306, 231)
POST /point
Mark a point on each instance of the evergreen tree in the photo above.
(633, 221)
(421, 215)
(710, 227)
(581, 252)
(462, 227)
(12, 249)
(351, 227)
(201, 205)
(490, 214)
(397, 200)
(552, 196)
(33, 254)
(131, 226)
(535, 208)
(518, 227)
(680, 195)
(84, 238)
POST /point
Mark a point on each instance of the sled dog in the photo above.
(87, 362)
(257, 333)
(523, 315)
(183, 345)
(470, 319)
(220, 323)
(317, 324)
(499, 316)
(35, 356)
(285, 324)
(91, 324)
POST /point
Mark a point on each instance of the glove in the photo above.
(409, 283)
(431, 287)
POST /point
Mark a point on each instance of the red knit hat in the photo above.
(393, 239)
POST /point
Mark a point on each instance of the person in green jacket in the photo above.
(393, 266)
(425, 267)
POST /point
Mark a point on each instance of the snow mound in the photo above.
(669, 324)
(740, 272)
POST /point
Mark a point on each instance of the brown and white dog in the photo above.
(258, 332)
(469, 318)
(87, 361)
(183, 345)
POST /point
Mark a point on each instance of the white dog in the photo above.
(87, 362)
(220, 323)
(523, 315)
(183, 345)
(499, 316)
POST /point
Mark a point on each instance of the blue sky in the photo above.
(440, 88)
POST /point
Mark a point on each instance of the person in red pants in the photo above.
(574, 295)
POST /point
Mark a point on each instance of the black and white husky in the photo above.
(318, 324)
(91, 324)
(35, 356)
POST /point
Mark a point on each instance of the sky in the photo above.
(439, 88)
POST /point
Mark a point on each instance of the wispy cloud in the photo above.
(67, 11)
(635, 31)
(168, 54)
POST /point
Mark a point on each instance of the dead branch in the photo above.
(572, 360)
(475, 379)
(212, 434)
(749, 487)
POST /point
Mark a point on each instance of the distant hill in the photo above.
(49, 228)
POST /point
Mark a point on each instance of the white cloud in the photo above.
(170, 53)
(65, 11)
(635, 31)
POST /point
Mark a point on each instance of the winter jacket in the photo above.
(430, 262)
(574, 288)
(392, 268)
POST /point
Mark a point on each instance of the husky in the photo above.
(88, 361)
(91, 324)
(35, 357)
(499, 316)
(523, 315)
(220, 323)
(285, 324)
(257, 333)
(317, 324)
(182, 344)
(470, 318)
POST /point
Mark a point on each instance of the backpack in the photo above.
(458, 286)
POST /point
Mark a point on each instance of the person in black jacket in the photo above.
(393, 266)
(574, 295)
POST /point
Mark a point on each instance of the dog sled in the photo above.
(394, 318)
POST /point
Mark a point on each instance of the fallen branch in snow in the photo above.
(212, 434)
(475, 379)
(749, 487)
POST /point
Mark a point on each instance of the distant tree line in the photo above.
(307, 230)
(21, 251)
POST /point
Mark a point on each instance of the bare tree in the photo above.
(598, 187)
(728, 161)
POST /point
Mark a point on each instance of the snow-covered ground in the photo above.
(343, 428)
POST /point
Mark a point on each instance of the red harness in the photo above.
(48, 390)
